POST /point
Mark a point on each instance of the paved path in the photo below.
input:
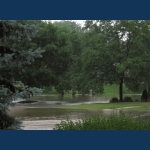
(40, 124)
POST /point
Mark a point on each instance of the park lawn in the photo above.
(109, 90)
(113, 90)
(140, 109)
(120, 105)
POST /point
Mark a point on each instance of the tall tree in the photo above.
(121, 50)
(73, 32)
(15, 52)
(53, 67)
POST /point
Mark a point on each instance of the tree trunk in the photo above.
(62, 93)
(121, 90)
(148, 91)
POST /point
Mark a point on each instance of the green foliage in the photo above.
(16, 52)
(114, 99)
(112, 122)
(73, 77)
(117, 50)
(53, 68)
(127, 99)
(8, 123)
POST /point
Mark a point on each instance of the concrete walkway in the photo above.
(40, 124)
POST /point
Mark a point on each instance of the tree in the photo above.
(75, 37)
(54, 68)
(120, 51)
(15, 53)
(57, 56)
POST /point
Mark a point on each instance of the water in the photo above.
(68, 98)
(43, 107)
(46, 101)
(42, 114)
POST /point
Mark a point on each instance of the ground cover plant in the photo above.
(112, 122)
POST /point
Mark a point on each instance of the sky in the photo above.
(81, 22)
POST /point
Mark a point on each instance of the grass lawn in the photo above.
(143, 106)
(113, 90)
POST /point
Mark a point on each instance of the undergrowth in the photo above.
(112, 122)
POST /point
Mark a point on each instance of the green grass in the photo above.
(140, 109)
(112, 122)
(113, 90)
(143, 106)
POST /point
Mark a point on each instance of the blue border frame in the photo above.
(73, 140)
(74, 10)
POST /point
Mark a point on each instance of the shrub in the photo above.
(114, 99)
(127, 99)
(112, 122)
(8, 122)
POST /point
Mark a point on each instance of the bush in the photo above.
(127, 99)
(112, 122)
(8, 122)
(114, 99)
